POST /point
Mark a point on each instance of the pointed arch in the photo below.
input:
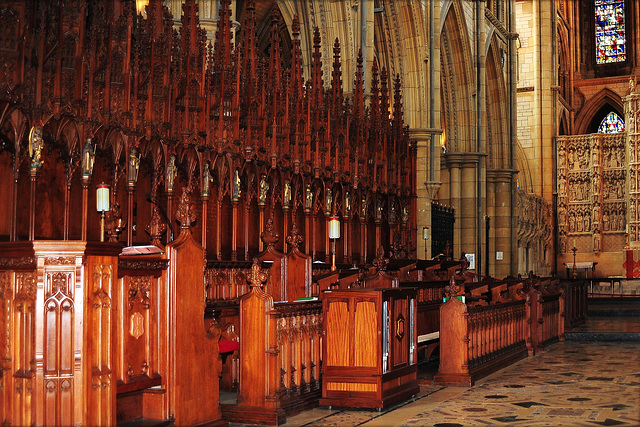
(456, 81)
(605, 101)
(496, 96)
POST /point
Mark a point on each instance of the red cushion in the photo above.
(227, 346)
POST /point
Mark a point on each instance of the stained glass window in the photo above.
(610, 37)
(612, 123)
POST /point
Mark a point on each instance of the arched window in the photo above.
(612, 123)
(610, 32)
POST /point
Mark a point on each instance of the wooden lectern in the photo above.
(369, 347)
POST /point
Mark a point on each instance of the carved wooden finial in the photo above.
(294, 239)
(186, 214)
(256, 277)
(114, 222)
(270, 237)
(452, 289)
(380, 262)
(156, 228)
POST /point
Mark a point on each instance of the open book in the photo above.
(141, 250)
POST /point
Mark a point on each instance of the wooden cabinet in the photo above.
(369, 342)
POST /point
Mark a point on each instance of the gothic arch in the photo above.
(456, 81)
(525, 182)
(398, 48)
(496, 96)
(586, 115)
(563, 63)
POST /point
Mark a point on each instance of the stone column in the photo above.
(499, 209)
(426, 189)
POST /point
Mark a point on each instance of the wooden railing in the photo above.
(575, 307)
(299, 344)
(475, 341)
(226, 280)
(552, 329)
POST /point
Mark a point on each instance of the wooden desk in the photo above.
(369, 347)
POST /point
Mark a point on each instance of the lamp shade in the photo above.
(102, 198)
(425, 233)
(334, 228)
(141, 5)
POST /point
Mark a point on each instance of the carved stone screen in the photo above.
(592, 174)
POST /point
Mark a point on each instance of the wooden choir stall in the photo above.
(94, 338)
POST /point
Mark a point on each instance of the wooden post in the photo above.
(131, 190)
(261, 224)
(85, 208)
(234, 232)
(205, 202)
(32, 204)
(219, 230)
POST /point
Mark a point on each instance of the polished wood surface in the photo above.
(140, 346)
(482, 336)
(59, 304)
(280, 357)
(369, 347)
(131, 124)
(191, 357)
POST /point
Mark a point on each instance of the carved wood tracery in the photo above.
(163, 106)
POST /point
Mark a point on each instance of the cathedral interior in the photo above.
(500, 133)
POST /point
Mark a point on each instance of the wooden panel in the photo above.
(254, 346)
(190, 345)
(299, 274)
(351, 386)
(338, 341)
(365, 334)
(359, 381)
(399, 335)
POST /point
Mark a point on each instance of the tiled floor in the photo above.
(569, 384)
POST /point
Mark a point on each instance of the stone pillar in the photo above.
(426, 189)
(499, 210)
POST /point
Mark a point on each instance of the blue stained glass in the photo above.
(610, 35)
(611, 124)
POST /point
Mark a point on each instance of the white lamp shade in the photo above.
(102, 198)
(334, 228)
(425, 233)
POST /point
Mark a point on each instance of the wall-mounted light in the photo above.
(334, 233)
(102, 205)
(334, 227)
